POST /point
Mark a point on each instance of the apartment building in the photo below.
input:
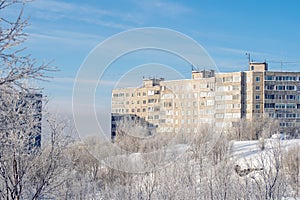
(220, 99)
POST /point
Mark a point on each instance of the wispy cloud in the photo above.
(65, 37)
(55, 10)
(164, 7)
(240, 51)
(112, 17)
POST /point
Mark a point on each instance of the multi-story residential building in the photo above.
(214, 98)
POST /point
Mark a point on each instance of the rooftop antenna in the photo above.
(249, 57)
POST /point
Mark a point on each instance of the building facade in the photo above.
(220, 99)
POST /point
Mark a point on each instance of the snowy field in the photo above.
(249, 153)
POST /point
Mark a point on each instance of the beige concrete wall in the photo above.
(222, 98)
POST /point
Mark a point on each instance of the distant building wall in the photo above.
(214, 98)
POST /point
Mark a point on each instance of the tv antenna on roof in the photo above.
(283, 62)
(249, 57)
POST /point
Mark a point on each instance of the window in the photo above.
(257, 97)
(162, 121)
(150, 92)
(278, 78)
(280, 96)
(167, 104)
(285, 78)
(269, 105)
(291, 97)
(220, 106)
(236, 96)
(210, 102)
(236, 79)
(144, 101)
(195, 104)
(270, 87)
(228, 106)
(235, 87)
(280, 105)
(228, 115)
(290, 87)
(269, 96)
(236, 105)
(290, 106)
(227, 79)
(257, 79)
(280, 87)
(151, 100)
(257, 87)
(257, 106)
(269, 78)
(220, 115)
(236, 115)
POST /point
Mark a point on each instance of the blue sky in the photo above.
(66, 31)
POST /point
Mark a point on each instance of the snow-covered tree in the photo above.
(27, 170)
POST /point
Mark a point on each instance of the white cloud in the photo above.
(240, 51)
(66, 37)
(163, 7)
(54, 10)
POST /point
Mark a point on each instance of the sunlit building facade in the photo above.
(219, 99)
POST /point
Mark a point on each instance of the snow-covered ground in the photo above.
(249, 153)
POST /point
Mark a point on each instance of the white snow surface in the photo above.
(249, 154)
